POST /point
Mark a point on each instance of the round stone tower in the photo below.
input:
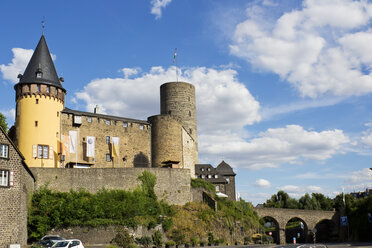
(166, 135)
(178, 99)
(40, 99)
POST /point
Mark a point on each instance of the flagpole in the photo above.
(175, 60)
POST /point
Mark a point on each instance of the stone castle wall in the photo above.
(134, 141)
(172, 185)
(14, 199)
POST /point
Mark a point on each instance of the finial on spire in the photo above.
(43, 24)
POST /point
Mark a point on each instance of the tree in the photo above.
(3, 122)
(325, 203)
(281, 200)
(309, 203)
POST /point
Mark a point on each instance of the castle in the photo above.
(52, 136)
(47, 138)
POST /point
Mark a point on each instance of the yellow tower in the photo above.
(40, 99)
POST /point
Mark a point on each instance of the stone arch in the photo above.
(140, 161)
(297, 228)
(274, 230)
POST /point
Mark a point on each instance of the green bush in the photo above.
(157, 238)
(195, 183)
(194, 241)
(111, 246)
(123, 239)
(170, 243)
(145, 241)
(50, 209)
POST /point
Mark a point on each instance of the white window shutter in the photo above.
(51, 154)
(34, 151)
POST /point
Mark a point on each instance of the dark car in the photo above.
(49, 240)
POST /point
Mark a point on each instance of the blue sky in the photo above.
(283, 87)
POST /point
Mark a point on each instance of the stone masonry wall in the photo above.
(172, 185)
(14, 199)
(134, 140)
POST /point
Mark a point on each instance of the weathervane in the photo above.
(43, 24)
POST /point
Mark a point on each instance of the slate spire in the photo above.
(41, 68)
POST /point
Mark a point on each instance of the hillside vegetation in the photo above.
(193, 223)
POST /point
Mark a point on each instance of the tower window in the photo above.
(4, 151)
(39, 74)
(37, 101)
(89, 119)
(190, 131)
(108, 122)
(38, 88)
(108, 157)
(107, 139)
(57, 113)
(36, 123)
(125, 124)
(189, 113)
(48, 89)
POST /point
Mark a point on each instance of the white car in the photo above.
(68, 243)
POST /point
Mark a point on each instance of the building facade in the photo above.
(16, 184)
(222, 177)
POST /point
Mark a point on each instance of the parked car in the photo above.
(68, 243)
(49, 240)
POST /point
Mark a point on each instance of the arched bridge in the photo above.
(309, 218)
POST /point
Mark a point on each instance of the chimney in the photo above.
(96, 110)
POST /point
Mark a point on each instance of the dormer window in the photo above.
(39, 73)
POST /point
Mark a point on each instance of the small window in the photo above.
(38, 88)
(190, 131)
(98, 120)
(169, 112)
(202, 176)
(48, 89)
(209, 176)
(108, 122)
(107, 139)
(228, 180)
(190, 113)
(108, 157)
(217, 188)
(43, 151)
(4, 178)
(125, 124)
(114, 122)
(215, 176)
(57, 114)
(141, 127)
(202, 169)
(4, 151)
(36, 123)
(39, 74)
(209, 169)
(37, 101)
(89, 119)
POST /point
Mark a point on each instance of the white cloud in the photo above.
(361, 176)
(157, 6)
(262, 183)
(223, 102)
(128, 72)
(298, 191)
(21, 57)
(291, 144)
(315, 48)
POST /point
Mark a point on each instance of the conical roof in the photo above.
(41, 62)
(225, 169)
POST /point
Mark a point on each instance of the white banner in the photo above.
(115, 147)
(73, 141)
(90, 146)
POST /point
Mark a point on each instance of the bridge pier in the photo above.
(282, 235)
